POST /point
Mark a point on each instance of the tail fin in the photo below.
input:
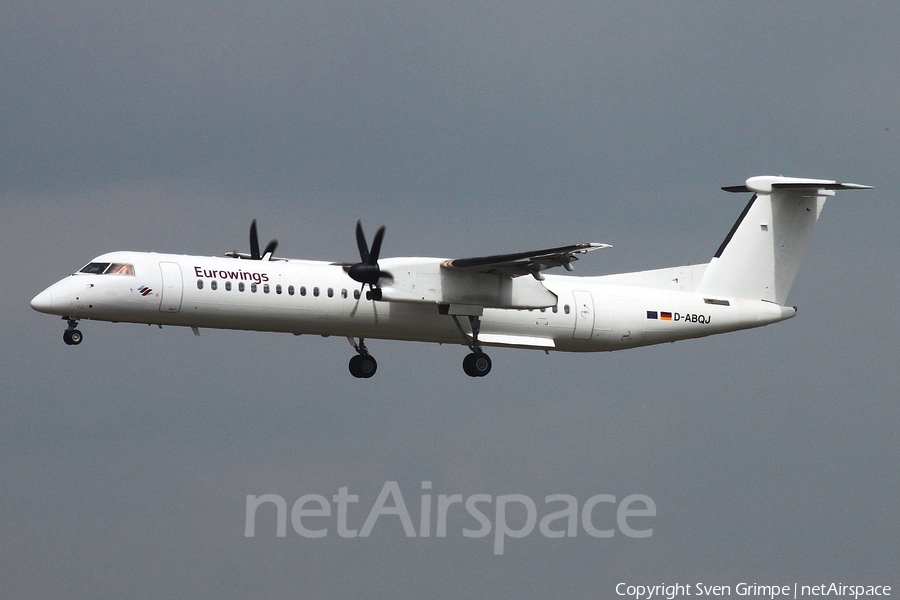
(760, 256)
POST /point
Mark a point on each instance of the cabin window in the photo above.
(343, 293)
(213, 284)
(240, 286)
(302, 290)
(331, 292)
(356, 294)
(278, 289)
(290, 290)
(316, 292)
(199, 284)
(543, 310)
(265, 288)
(556, 309)
(227, 286)
(253, 287)
(566, 309)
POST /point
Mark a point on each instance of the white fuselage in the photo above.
(311, 297)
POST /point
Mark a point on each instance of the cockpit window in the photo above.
(120, 269)
(108, 269)
(95, 268)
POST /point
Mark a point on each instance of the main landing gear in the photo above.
(363, 365)
(477, 363)
(71, 336)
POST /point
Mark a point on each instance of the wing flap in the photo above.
(524, 263)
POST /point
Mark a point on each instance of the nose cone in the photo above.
(55, 300)
(43, 302)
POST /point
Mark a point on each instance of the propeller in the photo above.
(367, 271)
(254, 245)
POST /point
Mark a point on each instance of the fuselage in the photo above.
(312, 297)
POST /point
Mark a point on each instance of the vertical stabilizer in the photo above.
(761, 254)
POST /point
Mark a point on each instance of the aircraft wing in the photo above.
(523, 263)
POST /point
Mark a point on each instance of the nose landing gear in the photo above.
(71, 336)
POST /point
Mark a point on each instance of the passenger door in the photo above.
(172, 287)
(584, 315)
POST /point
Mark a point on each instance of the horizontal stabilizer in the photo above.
(764, 184)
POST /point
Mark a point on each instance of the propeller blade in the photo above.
(358, 295)
(361, 243)
(254, 241)
(270, 248)
(376, 246)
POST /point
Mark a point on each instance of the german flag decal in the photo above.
(662, 316)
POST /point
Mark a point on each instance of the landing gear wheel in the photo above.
(363, 366)
(72, 337)
(477, 364)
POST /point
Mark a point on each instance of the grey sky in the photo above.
(466, 128)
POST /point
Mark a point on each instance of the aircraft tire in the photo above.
(477, 364)
(72, 337)
(354, 366)
(367, 366)
(363, 367)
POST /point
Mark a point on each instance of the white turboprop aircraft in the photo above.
(503, 300)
